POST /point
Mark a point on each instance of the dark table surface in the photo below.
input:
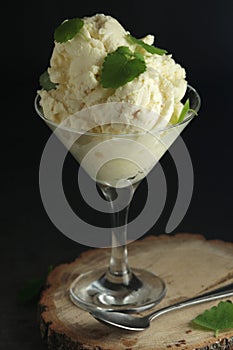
(29, 241)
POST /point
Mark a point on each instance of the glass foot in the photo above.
(94, 290)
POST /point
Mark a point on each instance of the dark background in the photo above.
(199, 34)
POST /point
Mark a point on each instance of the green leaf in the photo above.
(139, 56)
(45, 81)
(31, 290)
(149, 48)
(121, 67)
(184, 111)
(218, 318)
(68, 29)
(50, 268)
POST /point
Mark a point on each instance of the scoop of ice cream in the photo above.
(76, 68)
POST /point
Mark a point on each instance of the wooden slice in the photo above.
(189, 264)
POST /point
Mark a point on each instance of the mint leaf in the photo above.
(184, 111)
(139, 56)
(218, 318)
(186, 108)
(45, 81)
(68, 29)
(121, 67)
(148, 48)
(31, 290)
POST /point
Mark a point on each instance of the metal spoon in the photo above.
(134, 323)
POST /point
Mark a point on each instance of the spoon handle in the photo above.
(223, 292)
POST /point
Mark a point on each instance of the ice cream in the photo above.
(76, 67)
(142, 106)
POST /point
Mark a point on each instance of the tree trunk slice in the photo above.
(189, 264)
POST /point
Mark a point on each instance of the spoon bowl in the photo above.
(138, 323)
(122, 320)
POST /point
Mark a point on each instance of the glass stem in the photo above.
(119, 271)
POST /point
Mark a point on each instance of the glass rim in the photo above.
(189, 116)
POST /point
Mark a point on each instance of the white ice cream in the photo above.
(76, 66)
(149, 102)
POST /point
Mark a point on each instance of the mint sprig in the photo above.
(218, 318)
(121, 67)
(68, 29)
(45, 81)
(31, 290)
(186, 108)
(149, 48)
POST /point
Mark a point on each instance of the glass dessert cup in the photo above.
(118, 287)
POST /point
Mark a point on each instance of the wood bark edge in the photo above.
(55, 339)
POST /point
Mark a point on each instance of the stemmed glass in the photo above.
(118, 287)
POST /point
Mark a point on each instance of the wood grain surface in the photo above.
(189, 264)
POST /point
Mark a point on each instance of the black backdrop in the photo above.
(199, 34)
